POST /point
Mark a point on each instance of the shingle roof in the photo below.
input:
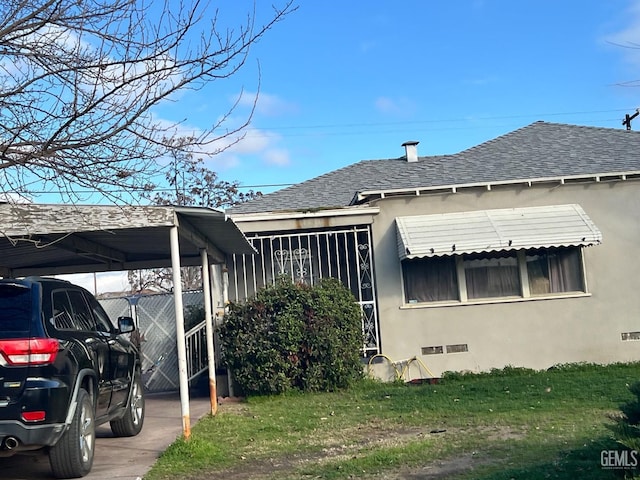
(539, 150)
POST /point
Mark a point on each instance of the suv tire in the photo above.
(54, 338)
(72, 455)
(131, 422)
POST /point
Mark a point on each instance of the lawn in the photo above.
(506, 424)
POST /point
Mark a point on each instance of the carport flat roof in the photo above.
(39, 239)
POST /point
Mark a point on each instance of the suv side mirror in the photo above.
(125, 324)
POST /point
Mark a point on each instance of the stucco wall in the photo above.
(533, 333)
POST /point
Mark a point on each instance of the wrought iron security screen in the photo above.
(307, 257)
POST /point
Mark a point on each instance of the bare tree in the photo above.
(190, 183)
(79, 80)
(161, 279)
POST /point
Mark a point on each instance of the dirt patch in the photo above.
(440, 469)
(285, 467)
(345, 445)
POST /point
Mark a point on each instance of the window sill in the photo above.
(410, 306)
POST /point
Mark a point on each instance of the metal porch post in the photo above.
(206, 290)
(180, 338)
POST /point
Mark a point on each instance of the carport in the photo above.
(37, 239)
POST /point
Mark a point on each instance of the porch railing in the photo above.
(196, 342)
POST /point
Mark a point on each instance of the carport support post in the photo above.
(180, 339)
(206, 290)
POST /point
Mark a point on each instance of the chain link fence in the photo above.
(156, 320)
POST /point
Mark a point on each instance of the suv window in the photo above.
(103, 322)
(15, 310)
(81, 313)
(62, 312)
(71, 312)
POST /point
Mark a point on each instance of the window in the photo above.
(554, 271)
(103, 321)
(15, 310)
(81, 314)
(432, 281)
(507, 274)
(62, 312)
(491, 275)
(71, 312)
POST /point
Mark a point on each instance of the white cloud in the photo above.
(126, 82)
(277, 156)
(215, 151)
(11, 197)
(262, 144)
(267, 104)
(265, 145)
(225, 153)
(255, 141)
(171, 128)
(395, 106)
(628, 38)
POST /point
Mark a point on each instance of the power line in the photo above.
(423, 122)
(474, 126)
(144, 190)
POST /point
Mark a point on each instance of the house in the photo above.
(523, 250)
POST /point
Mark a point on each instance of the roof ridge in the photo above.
(501, 138)
(537, 150)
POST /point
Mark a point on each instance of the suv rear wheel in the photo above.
(131, 423)
(72, 456)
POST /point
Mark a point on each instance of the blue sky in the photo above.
(342, 82)
(348, 81)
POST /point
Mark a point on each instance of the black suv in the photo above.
(64, 368)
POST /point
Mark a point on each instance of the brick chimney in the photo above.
(411, 151)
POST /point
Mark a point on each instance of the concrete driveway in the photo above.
(120, 458)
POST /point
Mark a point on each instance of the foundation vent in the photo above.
(630, 336)
(457, 348)
(432, 350)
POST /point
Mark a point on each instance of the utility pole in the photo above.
(628, 118)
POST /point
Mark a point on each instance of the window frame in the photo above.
(525, 292)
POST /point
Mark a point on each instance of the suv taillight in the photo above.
(29, 351)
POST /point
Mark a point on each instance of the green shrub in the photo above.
(333, 339)
(292, 336)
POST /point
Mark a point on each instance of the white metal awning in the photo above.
(491, 230)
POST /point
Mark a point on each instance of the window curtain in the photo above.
(564, 271)
(492, 276)
(430, 279)
(538, 273)
(555, 271)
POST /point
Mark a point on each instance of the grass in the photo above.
(510, 423)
